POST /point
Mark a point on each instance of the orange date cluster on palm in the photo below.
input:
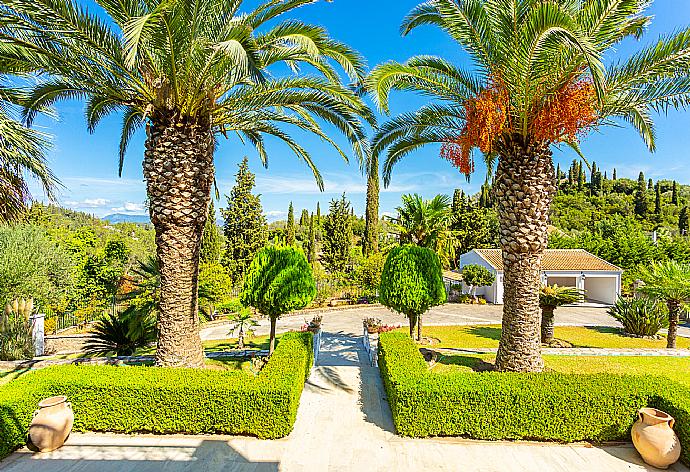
(564, 116)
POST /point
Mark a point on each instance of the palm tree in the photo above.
(537, 81)
(189, 71)
(22, 150)
(668, 282)
(243, 323)
(550, 298)
(426, 223)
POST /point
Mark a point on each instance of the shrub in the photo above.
(639, 316)
(122, 333)
(492, 405)
(278, 281)
(412, 282)
(16, 338)
(166, 400)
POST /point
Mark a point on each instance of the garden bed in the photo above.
(550, 407)
(161, 400)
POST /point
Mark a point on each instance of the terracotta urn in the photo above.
(654, 438)
(51, 424)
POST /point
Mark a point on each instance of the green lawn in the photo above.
(8, 375)
(487, 336)
(675, 368)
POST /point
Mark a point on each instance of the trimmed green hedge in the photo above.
(162, 400)
(549, 406)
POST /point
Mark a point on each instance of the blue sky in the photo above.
(87, 164)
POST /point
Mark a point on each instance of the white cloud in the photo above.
(89, 203)
(130, 207)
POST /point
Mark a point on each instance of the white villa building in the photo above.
(601, 280)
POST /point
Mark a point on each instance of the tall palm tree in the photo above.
(537, 81)
(189, 71)
(22, 150)
(668, 282)
(426, 223)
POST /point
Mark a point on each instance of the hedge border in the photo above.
(137, 399)
(543, 407)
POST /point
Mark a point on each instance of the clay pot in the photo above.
(51, 424)
(654, 438)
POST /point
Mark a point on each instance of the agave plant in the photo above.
(189, 71)
(639, 316)
(537, 81)
(550, 298)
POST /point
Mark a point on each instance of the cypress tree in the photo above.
(318, 213)
(684, 221)
(640, 199)
(290, 227)
(304, 218)
(244, 227)
(650, 185)
(337, 236)
(211, 241)
(614, 174)
(558, 176)
(581, 179)
(657, 199)
(370, 242)
(311, 245)
(674, 193)
(457, 201)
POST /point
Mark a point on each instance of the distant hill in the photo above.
(124, 218)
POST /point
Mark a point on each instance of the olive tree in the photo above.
(477, 276)
(411, 283)
(278, 281)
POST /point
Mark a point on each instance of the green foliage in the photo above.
(311, 242)
(427, 223)
(16, 340)
(412, 281)
(337, 236)
(555, 296)
(165, 400)
(215, 287)
(212, 240)
(122, 333)
(474, 226)
(639, 316)
(290, 227)
(495, 406)
(279, 280)
(32, 266)
(243, 324)
(667, 282)
(368, 273)
(245, 226)
(684, 221)
(477, 276)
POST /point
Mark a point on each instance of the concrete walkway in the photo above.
(343, 424)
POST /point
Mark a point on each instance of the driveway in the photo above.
(350, 320)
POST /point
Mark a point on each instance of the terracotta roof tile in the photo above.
(557, 260)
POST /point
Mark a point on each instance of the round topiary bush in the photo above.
(279, 280)
(411, 283)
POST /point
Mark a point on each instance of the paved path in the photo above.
(343, 424)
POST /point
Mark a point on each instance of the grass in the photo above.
(487, 336)
(674, 368)
(6, 376)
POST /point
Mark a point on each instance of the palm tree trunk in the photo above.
(178, 168)
(547, 313)
(371, 229)
(240, 339)
(524, 189)
(673, 320)
(272, 345)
